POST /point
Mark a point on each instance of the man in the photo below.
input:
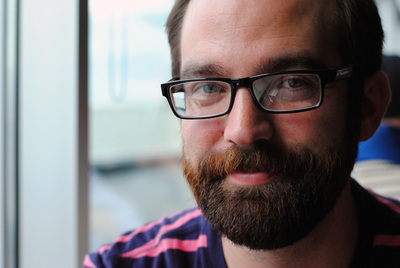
(274, 97)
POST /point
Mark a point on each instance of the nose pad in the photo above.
(246, 123)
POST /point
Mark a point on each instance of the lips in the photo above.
(250, 178)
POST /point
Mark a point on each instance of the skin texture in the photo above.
(244, 38)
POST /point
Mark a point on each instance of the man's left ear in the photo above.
(376, 99)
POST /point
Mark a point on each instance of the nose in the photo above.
(246, 123)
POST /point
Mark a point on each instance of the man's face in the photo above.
(255, 174)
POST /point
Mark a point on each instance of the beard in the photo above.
(304, 189)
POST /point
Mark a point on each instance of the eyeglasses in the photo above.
(281, 92)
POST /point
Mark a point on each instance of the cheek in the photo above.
(314, 130)
(199, 136)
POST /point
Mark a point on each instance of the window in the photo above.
(134, 138)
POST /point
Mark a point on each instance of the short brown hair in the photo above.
(174, 29)
(359, 28)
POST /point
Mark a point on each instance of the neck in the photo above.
(331, 244)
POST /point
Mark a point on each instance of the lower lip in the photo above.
(250, 179)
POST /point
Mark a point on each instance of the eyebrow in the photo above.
(285, 63)
(192, 70)
(271, 65)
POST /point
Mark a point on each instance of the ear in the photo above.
(376, 99)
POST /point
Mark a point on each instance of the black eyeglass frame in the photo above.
(325, 76)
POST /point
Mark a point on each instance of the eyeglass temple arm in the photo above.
(345, 72)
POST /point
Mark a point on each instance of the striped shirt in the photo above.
(187, 239)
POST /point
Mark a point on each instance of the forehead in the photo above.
(228, 33)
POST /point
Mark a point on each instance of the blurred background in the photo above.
(90, 146)
(134, 140)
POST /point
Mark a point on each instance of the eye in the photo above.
(299, 88)
(286, 92)
(297, 82)
(208, 88)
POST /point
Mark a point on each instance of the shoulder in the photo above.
(380, 213)
(379, 223)
(154, 244)
(386, 237)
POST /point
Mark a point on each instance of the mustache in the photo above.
(262, 157)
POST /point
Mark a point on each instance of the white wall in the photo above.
(8, 135)
(390, 14)
(2, 138)
(49, 135)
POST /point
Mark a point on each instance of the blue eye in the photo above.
(295, 83)
(209, 88)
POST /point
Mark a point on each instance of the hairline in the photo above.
(181, 15)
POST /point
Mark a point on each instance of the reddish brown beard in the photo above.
(277, 214)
